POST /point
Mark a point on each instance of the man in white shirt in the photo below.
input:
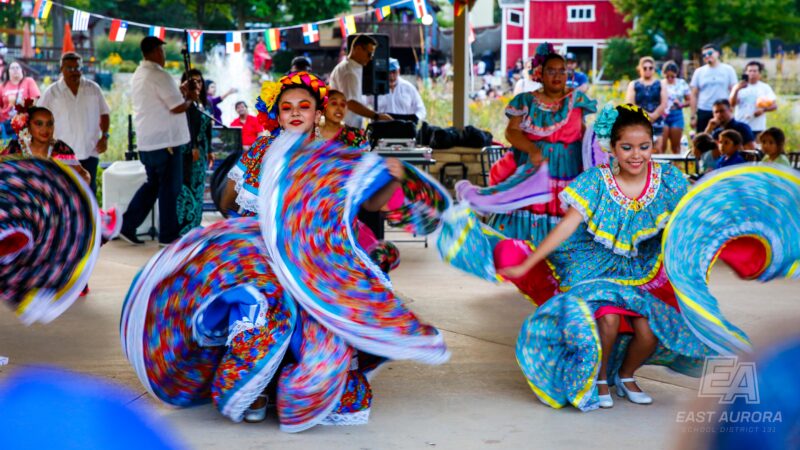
(403, 98)
(753, 98)
(82, 112)
(346, 78)
(162, 130)
(710, 83)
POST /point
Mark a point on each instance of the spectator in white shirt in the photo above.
(161, 131)
(403, 98)
(346, 78)
(82, 112)
(526, 83)
(753, 98)
(710, 83)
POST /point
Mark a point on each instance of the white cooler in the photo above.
(120, 181)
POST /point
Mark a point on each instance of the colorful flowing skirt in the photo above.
(735, 215)
(49, 237)
(534, 222)
(747, 216)
(559, 350)
(315, 253)
(290, 295)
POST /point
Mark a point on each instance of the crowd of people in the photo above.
(716, 98)
(304, 289)
(718, 101)
(176, 156)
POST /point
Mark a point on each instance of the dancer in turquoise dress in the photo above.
(619, 311)
(547, 124)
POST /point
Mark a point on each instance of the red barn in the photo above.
(581, 27)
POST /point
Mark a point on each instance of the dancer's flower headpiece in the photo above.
(606, 119)
(544, 50)
(20, 120)
(267, 102)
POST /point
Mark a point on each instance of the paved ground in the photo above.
(477, 400)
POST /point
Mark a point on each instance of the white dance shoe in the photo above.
(255, 415)
(605, 400)
(640, 398)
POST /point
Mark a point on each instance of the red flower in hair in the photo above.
(24, 106)
(20, 120)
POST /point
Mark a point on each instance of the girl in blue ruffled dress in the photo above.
(615, 309)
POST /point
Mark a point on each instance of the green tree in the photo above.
(11, 18)
(688, 24)
(620, 59)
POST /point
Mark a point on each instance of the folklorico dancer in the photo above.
(291, 300)
(544, 125)
(609, 298)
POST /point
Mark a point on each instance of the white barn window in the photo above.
(580, 13)
(515, 18)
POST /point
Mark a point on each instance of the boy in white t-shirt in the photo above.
(753, 98)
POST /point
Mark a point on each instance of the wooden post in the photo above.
(462, 70)
(58, 31)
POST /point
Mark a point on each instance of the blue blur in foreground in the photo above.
(777, 370)
(49, 408)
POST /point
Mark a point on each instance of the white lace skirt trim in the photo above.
(356, 418)
(244, 198)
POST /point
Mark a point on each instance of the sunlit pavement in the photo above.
(479, 399)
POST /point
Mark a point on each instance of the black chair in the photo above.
(489, 156)
(752, 155)
(686, 159)
(794, 158)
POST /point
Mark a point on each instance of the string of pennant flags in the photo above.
(233, 38)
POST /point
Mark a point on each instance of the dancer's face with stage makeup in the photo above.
(297, 111)
(633, 150)
(336, 108)
(41, 126)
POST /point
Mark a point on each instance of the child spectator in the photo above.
(772, 141)
(730, 145)
(706, 152)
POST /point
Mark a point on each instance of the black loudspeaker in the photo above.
(375, 79)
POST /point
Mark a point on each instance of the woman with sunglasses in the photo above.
(648, 93)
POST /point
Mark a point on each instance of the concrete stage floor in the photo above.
(479, 399)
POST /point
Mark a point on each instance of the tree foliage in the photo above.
(688, 24)
(619, 59)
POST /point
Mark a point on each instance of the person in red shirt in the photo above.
(249, 125)
(262, 62)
